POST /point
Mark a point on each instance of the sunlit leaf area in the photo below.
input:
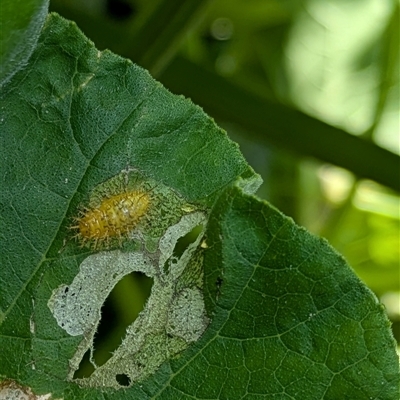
(336, 61)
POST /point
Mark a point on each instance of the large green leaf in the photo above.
(287, 317)
(300, 321)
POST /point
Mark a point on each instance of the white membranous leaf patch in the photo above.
(76, 308)
(174, 315)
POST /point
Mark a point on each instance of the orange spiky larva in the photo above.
(114, 217)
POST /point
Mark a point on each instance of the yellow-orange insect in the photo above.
(114, 217)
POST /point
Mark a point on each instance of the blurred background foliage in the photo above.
(310, 91)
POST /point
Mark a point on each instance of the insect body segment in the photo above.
(114, 217)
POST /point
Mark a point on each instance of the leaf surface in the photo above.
(289, 319)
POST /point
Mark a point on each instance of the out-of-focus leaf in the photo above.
(20, 25)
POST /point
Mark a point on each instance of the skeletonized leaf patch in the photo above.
(174, 315)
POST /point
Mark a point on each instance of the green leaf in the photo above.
(291, 319)
(71, 120)
(20, 25)
(287, 317)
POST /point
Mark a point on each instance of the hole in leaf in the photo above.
(119, 311)
(123, 379)
(185, 241)
(181, 245)
(121, 308)
(86, 368)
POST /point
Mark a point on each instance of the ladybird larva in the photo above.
(114, 217)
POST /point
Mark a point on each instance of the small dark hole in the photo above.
(120, 9)
(86, 368)
(123, 379)
(170, 262)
